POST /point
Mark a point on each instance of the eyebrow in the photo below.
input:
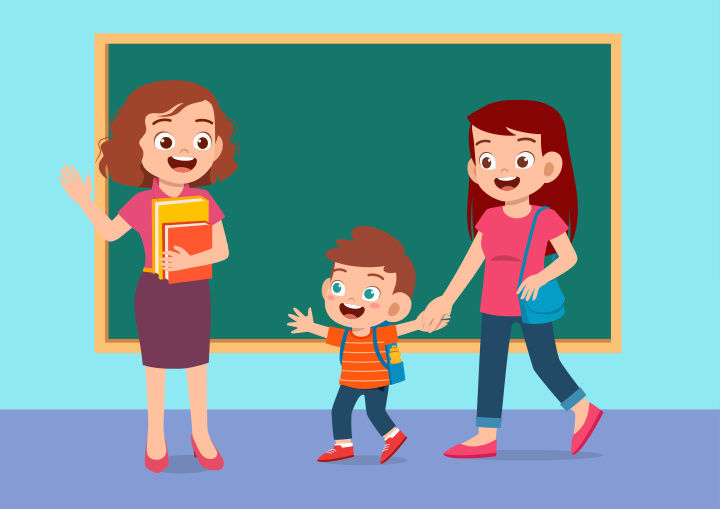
(162, 120)
(481, 141)
(376, 275)
(526, 139)
(342, 270)
(204, 120)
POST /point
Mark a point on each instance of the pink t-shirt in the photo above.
(503, 243)
(137, 212)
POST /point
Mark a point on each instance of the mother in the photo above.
(168, 136)
(518, 154)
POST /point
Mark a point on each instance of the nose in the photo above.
(504, 170)
(186, 151)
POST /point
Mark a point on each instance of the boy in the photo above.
(372, 281)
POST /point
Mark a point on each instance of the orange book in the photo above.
(193, 238)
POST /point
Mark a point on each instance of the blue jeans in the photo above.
(375, 401)
(494, 344)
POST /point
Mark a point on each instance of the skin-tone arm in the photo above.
(179, 259)
(79, 191)
(438, 311)
(305, 323)
(567, 257)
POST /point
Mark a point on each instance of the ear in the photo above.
(218, 147)
(325, 287)
(553, 166)
(400, 307)
(472, 170)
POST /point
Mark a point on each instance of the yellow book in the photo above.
(174, 210)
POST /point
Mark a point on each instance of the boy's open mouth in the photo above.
(182, 164)
(350, 311)
(507, 183)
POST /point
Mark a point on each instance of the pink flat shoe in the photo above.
(473, 451)
(583, 434)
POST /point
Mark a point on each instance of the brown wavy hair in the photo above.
(120, 153)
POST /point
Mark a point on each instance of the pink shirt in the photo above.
(503, 243)
(137, 212)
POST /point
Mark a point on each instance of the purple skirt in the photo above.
(173, 322)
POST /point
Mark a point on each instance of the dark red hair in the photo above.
(529, 117)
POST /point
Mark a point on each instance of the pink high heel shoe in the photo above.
(580, 438)
(215, 463)
(156, 466)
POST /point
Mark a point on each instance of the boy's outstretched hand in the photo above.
(302, 323)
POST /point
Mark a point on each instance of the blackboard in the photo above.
(336, 135)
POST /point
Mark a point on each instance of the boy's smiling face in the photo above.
(361, 297)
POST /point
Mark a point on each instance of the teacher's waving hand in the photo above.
(521, 199)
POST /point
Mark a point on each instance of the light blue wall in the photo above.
(671, 210)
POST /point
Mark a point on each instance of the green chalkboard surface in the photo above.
(332, 136)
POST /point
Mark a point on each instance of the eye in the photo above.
(524, 160)
(338, 288)
(202, 141)
(164, 141)
(487, 161)
(371, 294)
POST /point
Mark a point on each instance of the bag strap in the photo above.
(342, 344)
(527, 246)
(377, 349)
(375, 344)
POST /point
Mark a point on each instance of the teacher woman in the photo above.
(521, 199)
(169, 137)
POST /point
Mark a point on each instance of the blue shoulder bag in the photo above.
(548, 305)
(396, 370)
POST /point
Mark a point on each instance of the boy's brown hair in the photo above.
(372, 247)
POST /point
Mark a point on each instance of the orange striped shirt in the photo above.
(361, 368)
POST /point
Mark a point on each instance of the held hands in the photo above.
(436, 314)
(176, 260)
(74, 186)
(301, 322)
(529, 288)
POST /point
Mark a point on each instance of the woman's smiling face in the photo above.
(182, 147)
(511, 167)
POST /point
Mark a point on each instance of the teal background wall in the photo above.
(671, 210)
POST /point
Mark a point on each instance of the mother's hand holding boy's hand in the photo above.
(436, 314)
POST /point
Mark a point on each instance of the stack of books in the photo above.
(182, 222)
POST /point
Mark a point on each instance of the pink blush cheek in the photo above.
(375, 305)
(330, 297)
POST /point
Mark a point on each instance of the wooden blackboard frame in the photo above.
(314, 345)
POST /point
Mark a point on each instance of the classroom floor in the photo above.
(95, 459)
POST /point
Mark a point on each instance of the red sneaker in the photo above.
(581, 437)
(473, 451)
(337, 453)
(392, 444)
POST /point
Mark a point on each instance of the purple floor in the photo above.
(95, 459)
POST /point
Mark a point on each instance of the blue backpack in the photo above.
(396, 371)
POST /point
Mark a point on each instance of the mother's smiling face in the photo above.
(511, 167)
(181, 146)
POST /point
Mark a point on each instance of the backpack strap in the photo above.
(377, 349)
(342, 344)
(527, 246)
